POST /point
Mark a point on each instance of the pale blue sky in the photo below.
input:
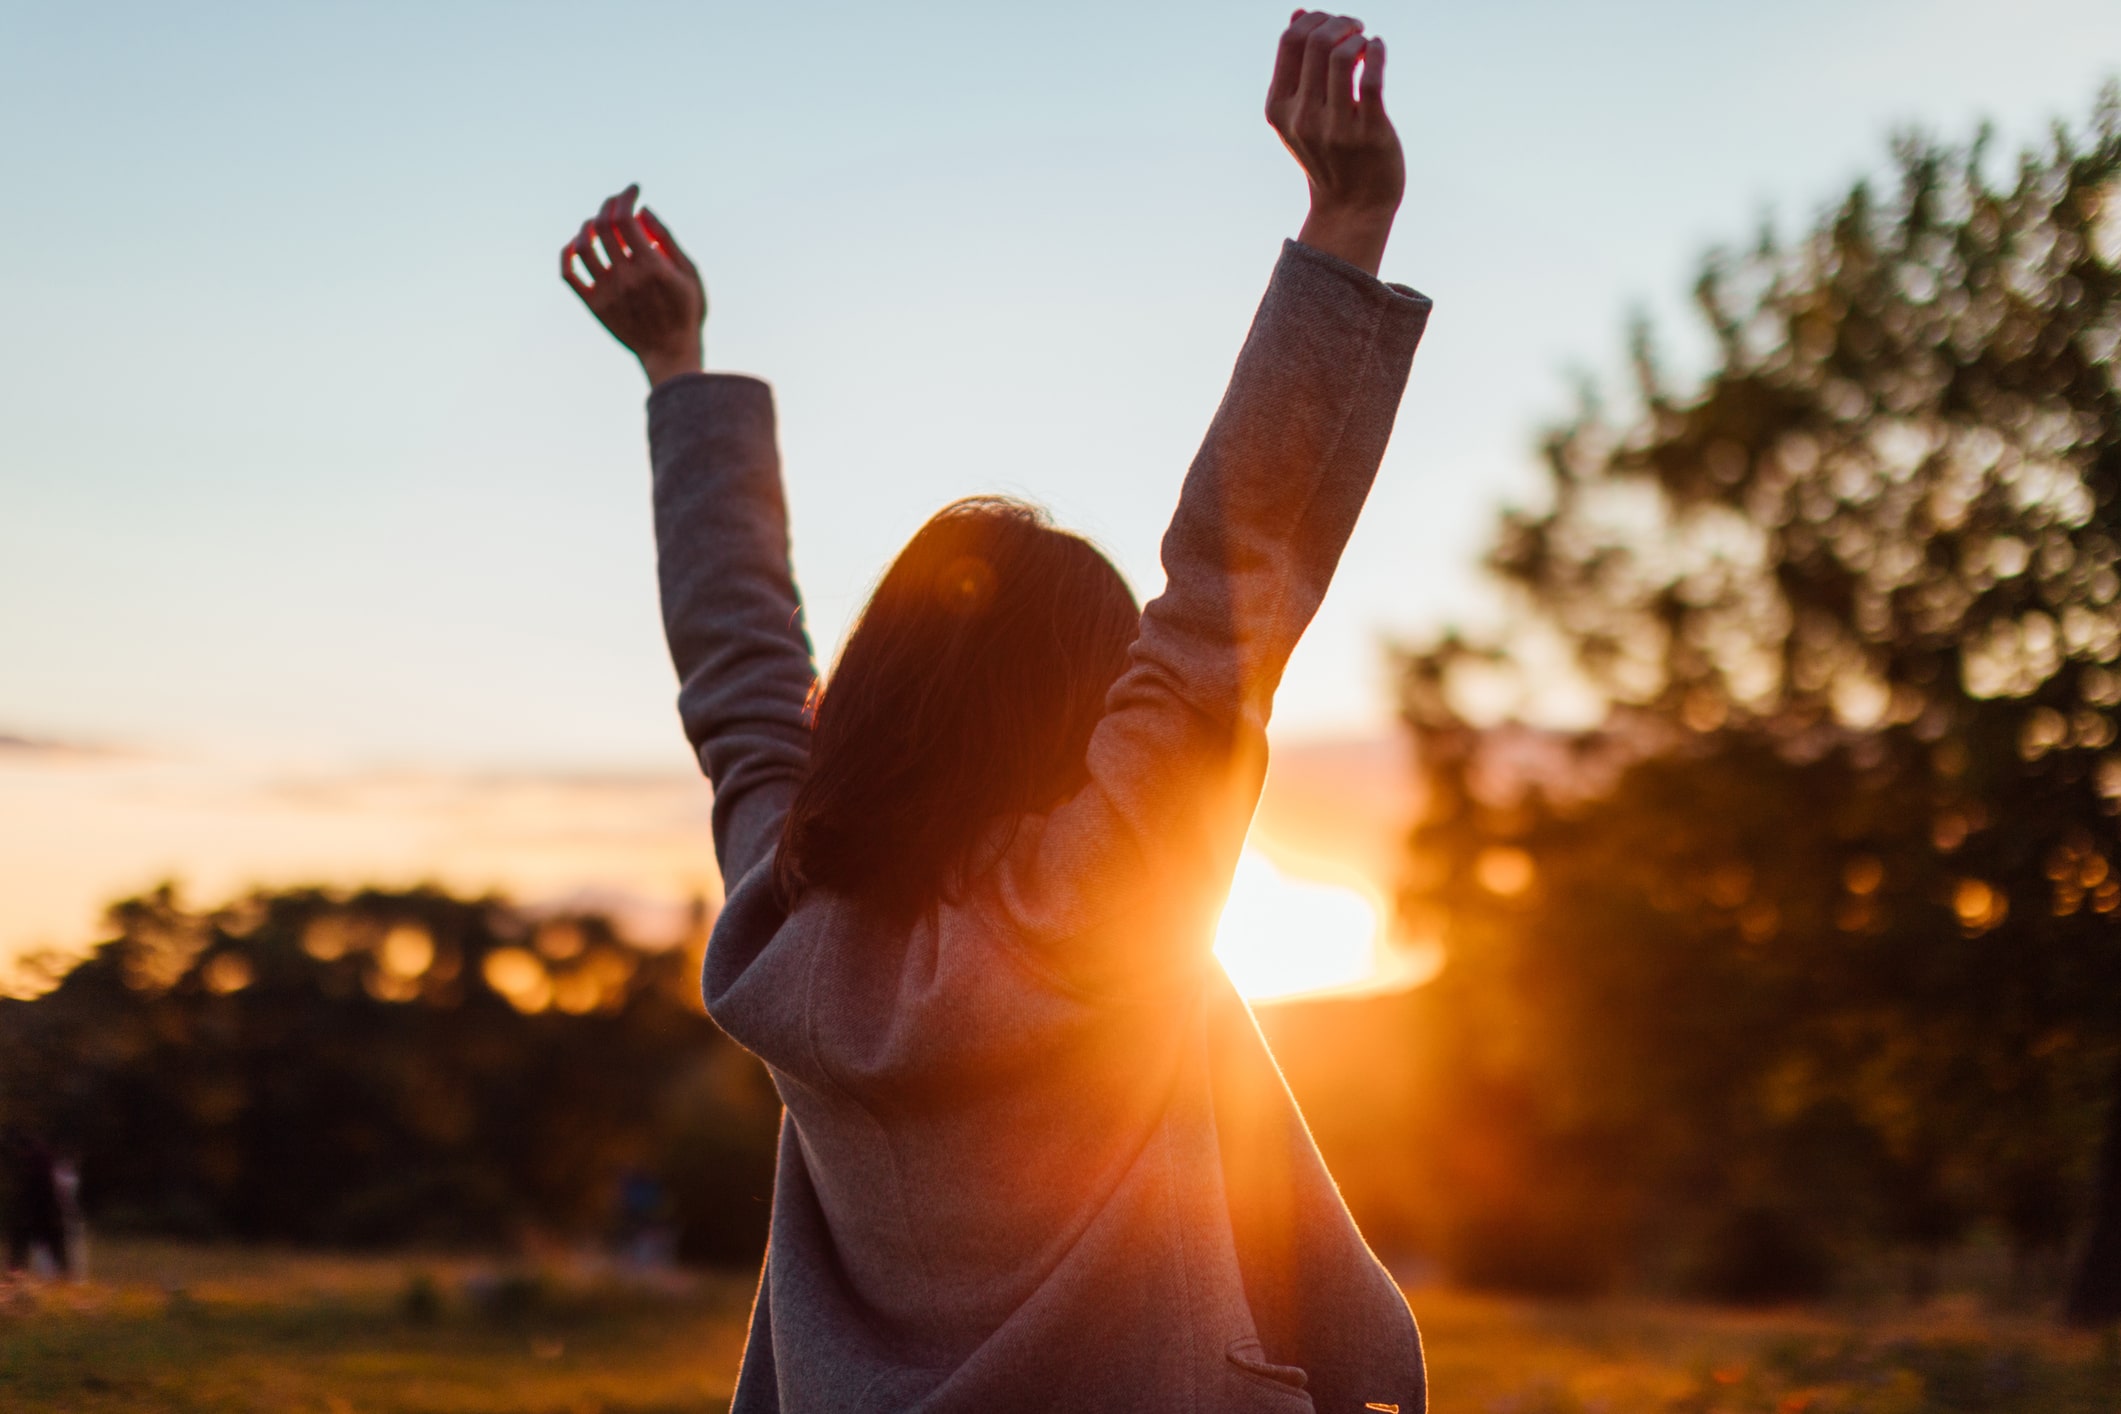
(305, 449)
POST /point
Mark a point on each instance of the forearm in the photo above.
(1355, 235)
(1281, 476)
(662, 365)
(730, 609)
(1268, 504)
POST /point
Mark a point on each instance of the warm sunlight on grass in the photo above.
(1280, 936)
(175, 1329)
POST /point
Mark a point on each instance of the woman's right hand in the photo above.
(639, 285)
(1343, 139)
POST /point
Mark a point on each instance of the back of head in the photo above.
(965, 696)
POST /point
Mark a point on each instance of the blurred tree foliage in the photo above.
(1813, 944)
(389, 1067)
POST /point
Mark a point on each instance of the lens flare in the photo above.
(1281, 936)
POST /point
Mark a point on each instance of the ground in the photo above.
(173, 1328)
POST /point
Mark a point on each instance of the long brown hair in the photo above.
(965, 696)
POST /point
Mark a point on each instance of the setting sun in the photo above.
(1280, 936)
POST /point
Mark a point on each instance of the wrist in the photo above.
(1354, 234)
(662, 365)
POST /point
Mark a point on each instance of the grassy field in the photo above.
(170, 1328)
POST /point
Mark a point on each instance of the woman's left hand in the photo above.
(639, 285)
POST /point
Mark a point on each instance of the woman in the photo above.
(1034, 1154)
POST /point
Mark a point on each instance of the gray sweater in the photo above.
(1035, 1154)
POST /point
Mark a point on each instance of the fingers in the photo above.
(610, 241)
(1340, 73)
(636, 240)
(575, 280)
(1373, 76)
(607, 226)
(584, 249)
(658, 233)
(665, 242)
(1289, 55)
(1312, 89)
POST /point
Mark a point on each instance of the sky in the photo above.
(307, 455)
(306, 449)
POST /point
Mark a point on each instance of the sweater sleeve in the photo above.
(730, 609)
(1146, 848)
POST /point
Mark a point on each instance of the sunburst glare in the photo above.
(1280, 936)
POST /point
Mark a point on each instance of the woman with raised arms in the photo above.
(1035, 1154)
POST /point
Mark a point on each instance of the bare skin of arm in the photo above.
(641, 286)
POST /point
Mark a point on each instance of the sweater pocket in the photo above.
(1284, 1385)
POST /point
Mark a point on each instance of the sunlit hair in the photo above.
(963, 700)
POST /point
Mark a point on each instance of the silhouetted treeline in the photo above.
(389, 1067)
(1813, 948)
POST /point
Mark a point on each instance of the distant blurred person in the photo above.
(645, 1237)
(36, 1215)
(1035, 1154)
(73, 1226)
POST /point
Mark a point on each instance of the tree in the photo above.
(1851, 603)
(389, 1066)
